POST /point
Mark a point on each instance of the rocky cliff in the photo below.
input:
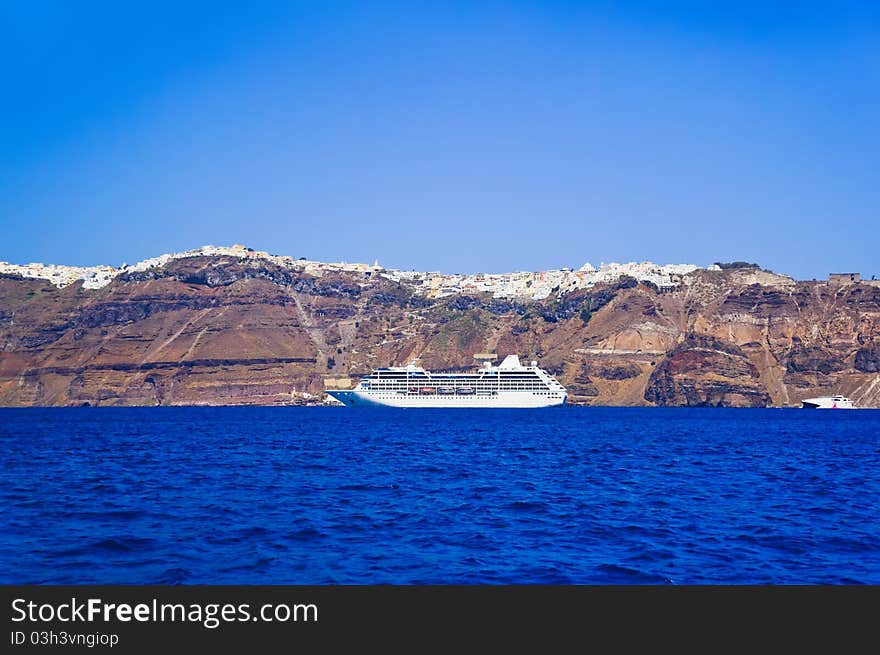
(223, 330)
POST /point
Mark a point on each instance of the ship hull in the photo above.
(825, 403)
(506, 400)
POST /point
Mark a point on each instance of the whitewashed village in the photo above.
(523, 284)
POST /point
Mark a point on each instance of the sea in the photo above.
(327, 495)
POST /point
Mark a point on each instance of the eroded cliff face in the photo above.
(221, 330)
(706, 372)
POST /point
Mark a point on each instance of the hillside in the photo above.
(232, 330)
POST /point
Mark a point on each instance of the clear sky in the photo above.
(454, 136)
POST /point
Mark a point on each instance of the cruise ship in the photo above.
(510, 384)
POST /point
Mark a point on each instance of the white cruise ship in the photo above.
(509, 384)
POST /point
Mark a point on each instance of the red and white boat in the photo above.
(828, 402)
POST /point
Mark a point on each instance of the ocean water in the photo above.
(333, 495)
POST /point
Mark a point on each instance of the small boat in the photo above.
(427, 391)
(464, 391)
(827, 402)
(445, 390)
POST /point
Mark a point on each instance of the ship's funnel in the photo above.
(511, 361)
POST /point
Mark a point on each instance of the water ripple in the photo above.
(318, 495)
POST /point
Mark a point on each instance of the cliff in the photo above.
(230, 330)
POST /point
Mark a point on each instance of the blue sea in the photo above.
(333, 495)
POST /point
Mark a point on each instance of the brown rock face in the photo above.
(219, 330)
(867, 360)
(705, 372)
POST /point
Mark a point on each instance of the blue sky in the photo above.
(454, 136)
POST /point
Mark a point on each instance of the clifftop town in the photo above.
(536, 286)
(230, 325)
